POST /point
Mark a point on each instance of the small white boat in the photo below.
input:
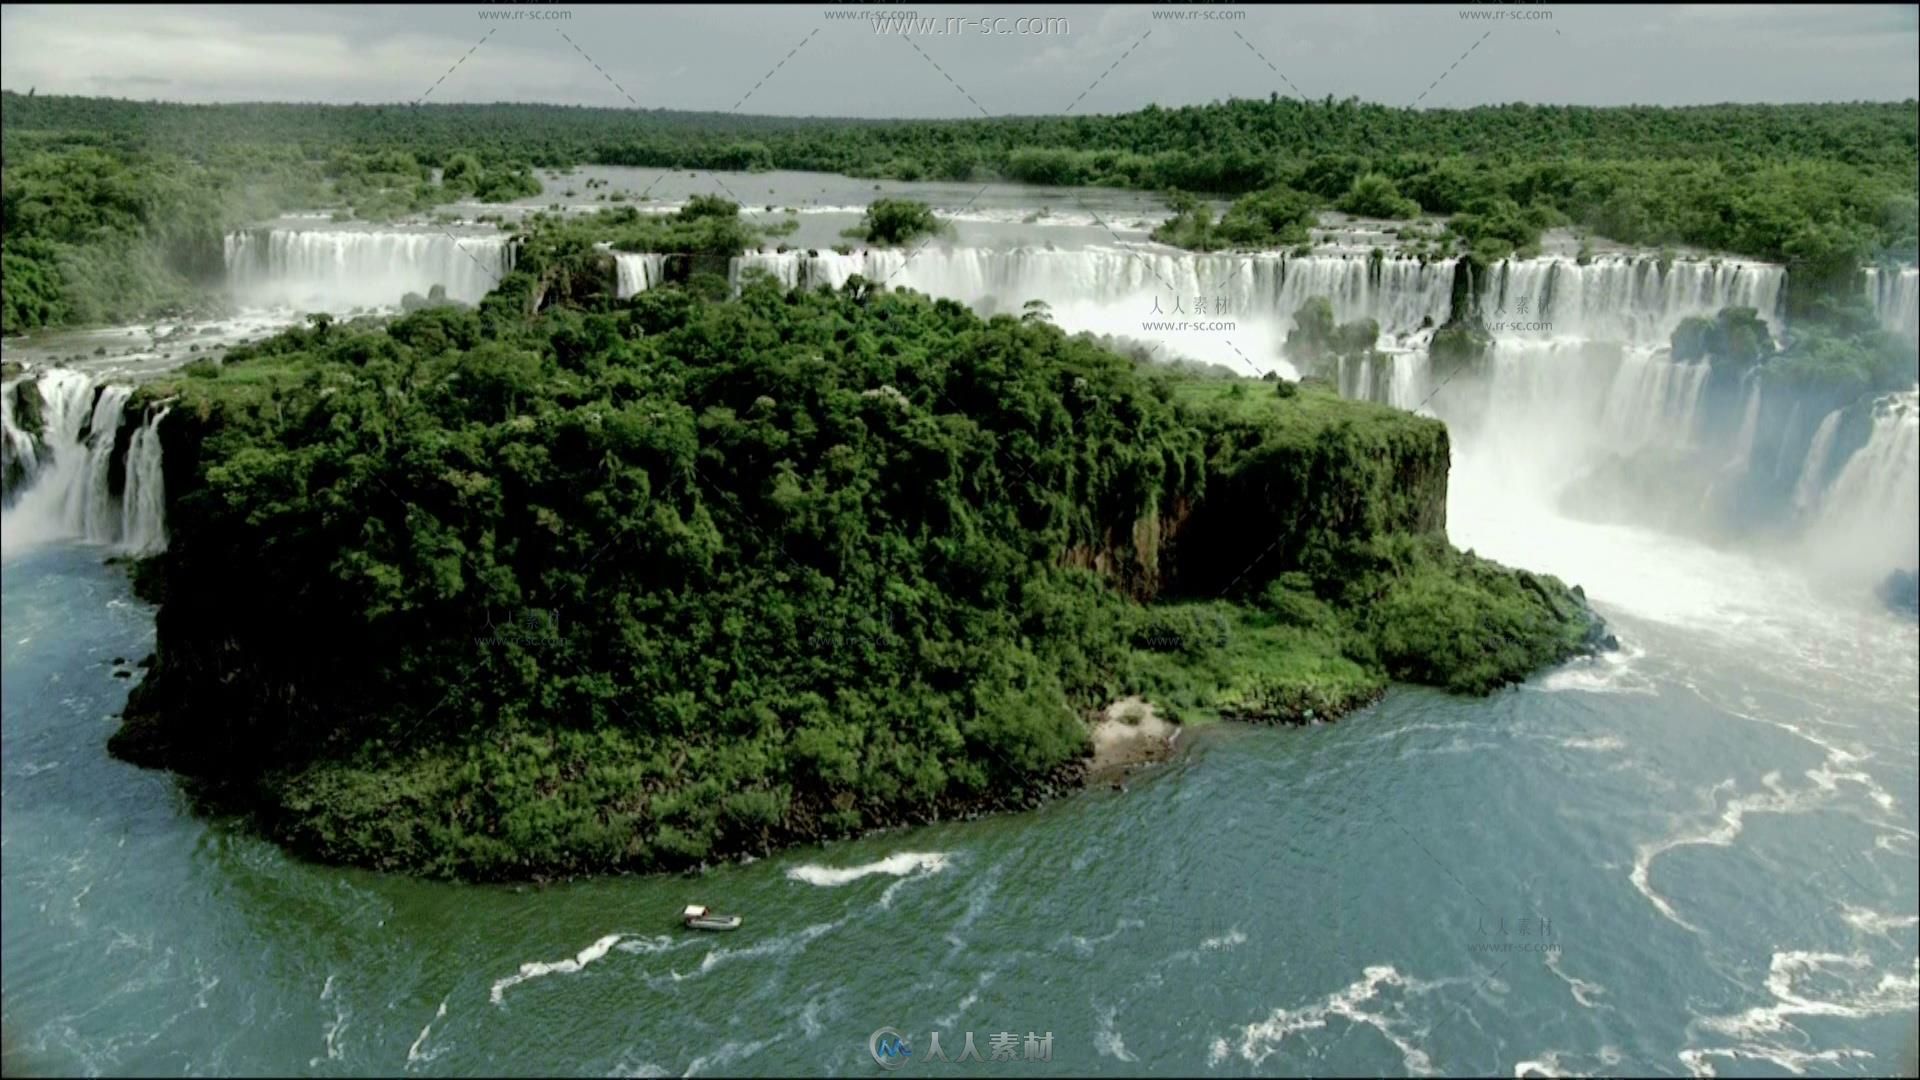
(697, 917)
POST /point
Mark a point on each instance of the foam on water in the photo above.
(900, 865)
(1727, 825)
(1107, 1040)
(1853, 990)
(414, 1055)
(536, 969)
(1260, 1040)
(1225, 941)
(1553, 1063)
(1583, 991)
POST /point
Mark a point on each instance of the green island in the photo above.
(562, 584)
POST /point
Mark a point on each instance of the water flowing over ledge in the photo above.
(1896, 299)
(339, 269)
(1116, 290)
(636, 273)
(90, 472)
(1634, 299)
(1578, 371)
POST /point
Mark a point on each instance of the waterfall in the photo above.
(341, 269)
(1580, 407)
(70, 495)
(1123, 285)
(1749, 424)
(638, 271)
(1627, 298)
(89, 509)
(20, 450)
(1813, 472)
(1227, 309)
(144, 499)
(1896, 299)
(1869, 519)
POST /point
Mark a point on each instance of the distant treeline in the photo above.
(1229, 147)
(1822, 188)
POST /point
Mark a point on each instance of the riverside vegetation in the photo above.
(562, 584)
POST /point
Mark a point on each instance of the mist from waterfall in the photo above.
(1580, 410)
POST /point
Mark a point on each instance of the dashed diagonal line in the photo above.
(1256, 562)
(456, 63)
(774, 69)
(1450, 67)
(895, 272)
(1455, 1011)
(949, 78)
(1102, 76)
(1269, 63)
(1115, 237)
(1430, 856)
(771, 72)
(983, 112)
(462, 249)
(597, 67)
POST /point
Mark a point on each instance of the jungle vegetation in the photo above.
(561, 583)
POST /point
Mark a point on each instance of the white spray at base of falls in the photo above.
(337, 270)
(69, 494)
(1581, 410)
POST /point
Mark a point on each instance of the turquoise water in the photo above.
(1699, 854)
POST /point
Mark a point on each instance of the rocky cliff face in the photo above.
(1279, 491)
(1292, 481)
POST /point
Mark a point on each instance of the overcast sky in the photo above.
(694, 57)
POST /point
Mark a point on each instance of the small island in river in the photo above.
(567, 584)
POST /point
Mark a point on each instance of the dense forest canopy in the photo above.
(1871, 136)
(583, 584)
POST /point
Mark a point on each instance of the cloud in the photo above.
(392, 53)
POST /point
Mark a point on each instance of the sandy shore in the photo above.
(1130, 733)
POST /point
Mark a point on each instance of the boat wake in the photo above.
(540, 968)
(900, 865)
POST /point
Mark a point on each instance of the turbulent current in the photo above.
(1695, 856)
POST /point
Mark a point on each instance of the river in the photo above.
(1696, 855)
